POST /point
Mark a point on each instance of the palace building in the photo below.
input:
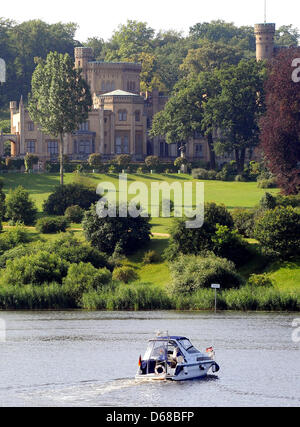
(120, 118)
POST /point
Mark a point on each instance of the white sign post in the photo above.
(215, 287)
(2, 71)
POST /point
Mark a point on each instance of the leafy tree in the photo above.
(20, 207)
(152, 162)
(69, 195)
(95, 160)
(60, 99)
(280, 127)
(2, 201)
(278, 232)
(105, 234)
(123, 160)
(288, 36)
(236, 110)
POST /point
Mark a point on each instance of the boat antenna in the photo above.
(265, 11)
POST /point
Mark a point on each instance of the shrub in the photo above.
(267, 201)
(151, 257)
(180, 161)
(228, 172)
(35, 269)
(193, 241)
(14, 237)
(2, 201)
(29, 161)
(112, 169)
(152, 162)
(140, 170)
(240, 178)
(123, 160)
(291, 200)
(105, 233)
(190, 273)
(49, 225)
(200, 173)
(228, 244)
(212, 175)
(243, 221)
(74, 213)
(267, 183)
(20, 207)
(125, 274)
(95, 160)
(83, 277)
(278, 232)
(74, 251)
(69, 195)
(260, 280)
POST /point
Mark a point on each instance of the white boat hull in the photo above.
(187, 372)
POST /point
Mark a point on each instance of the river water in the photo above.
(79, 358)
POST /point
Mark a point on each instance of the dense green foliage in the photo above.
(130, 234)
(50, 225)
(20, 207)
(74, 213)
(69, 195)
(191, 273)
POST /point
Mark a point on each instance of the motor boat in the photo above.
(175, 358)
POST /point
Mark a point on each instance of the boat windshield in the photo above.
(188, 346)
(157, 350)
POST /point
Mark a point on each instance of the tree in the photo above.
(288, 36)
(29, 161)
(237, 108)
(60, 99)
(130, 234)
(280, 126)
(19, 207)
(185, 112)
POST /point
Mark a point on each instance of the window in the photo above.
(122, 144)
(188, 346)
(198, 150)
(84, 127)
(137, 116)
(85, 147)
(52, 147)
(122, 115)
(131, 86)
(30, 126)
(30, 146)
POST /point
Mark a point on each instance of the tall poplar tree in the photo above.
(60, 99)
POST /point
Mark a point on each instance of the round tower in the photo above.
(265, 34)
(82, 56)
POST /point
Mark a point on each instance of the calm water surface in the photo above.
(75, 358)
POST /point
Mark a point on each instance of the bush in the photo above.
(200, 173)
(74, 213)
(291, 200)
(2, 201)
(105, 233)
(35, 269)
(69, 195)
(228, 172)
(140, 170)
(267, 202)
(229, 244)
(20, 207)
(14, 237)
(243, 222)
(83, 277)
(151, 257)
(112, 169)
(48, 225)
(152, 162)
(278, 232)
(193, 241)
(240, 178)
(260, 280)
(125, 274)
(212, 175)
(29, 161)
(267, 183)
(74, 251)
(190, 273)
(123, 160)
(95, 160)
(180, 161)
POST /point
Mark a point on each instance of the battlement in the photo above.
(264, 28)
(83, 52)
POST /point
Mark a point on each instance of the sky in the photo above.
(99, 18)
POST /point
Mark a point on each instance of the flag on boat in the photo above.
(209, 350)
(140, 361)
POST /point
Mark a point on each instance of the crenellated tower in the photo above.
(265, 34)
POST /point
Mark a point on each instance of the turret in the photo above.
(265, 34)
(82, 56)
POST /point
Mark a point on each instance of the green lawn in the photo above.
(232, 194)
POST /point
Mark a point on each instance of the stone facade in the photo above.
(119, 122)
(121, 116)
